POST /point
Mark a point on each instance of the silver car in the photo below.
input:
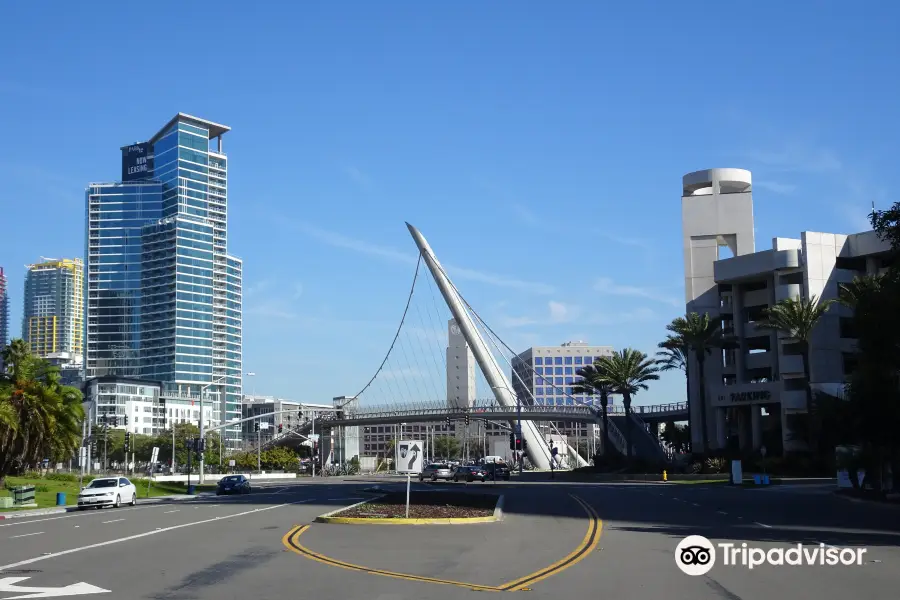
(436, 471)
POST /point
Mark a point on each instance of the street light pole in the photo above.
(202, 433)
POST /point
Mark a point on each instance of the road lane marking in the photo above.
(762, 525)
(171, 511)
(721, 512)
(113, 521)
(50, 555)
(588, 544)
(26, 535)
(80, 514)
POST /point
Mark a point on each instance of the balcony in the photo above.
(791, 364)
(758, 360)
(793, 400)
(757, 298)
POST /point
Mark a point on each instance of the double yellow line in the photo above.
(587, 545)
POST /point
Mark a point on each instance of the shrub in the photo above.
(695, 468)
(716, 465)
(67, 477)
(41, 488)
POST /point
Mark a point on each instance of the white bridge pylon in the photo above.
(538, 450)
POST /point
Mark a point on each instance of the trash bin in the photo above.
(60, 498)
(191, 490)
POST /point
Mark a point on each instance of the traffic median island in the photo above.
(425, 508)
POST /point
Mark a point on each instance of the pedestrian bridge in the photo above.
(584, 413)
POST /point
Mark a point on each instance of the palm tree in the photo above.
(699, 334)
(594, 384)
(861, 287)
(39, 417)
(673, 355)
(797, 318)
(627, 372)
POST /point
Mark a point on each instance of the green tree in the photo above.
(594, 383)
(627, 372)
(673, 355)
(677, 436)
(39, 417)
(447, 446)
(797, 318)
(699, 334)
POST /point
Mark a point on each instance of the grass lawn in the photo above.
(46, 490)
(700, 481)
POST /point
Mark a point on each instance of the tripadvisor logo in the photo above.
(695, 555)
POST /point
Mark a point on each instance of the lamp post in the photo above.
(202, 439)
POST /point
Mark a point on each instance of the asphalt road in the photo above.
(256, 546)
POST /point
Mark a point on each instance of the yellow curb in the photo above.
(331, 519)
(395, 521)
(587, 546)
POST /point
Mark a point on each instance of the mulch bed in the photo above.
(425, 505)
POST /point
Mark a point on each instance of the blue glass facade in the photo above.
(166, 288)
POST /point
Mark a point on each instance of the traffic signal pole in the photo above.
(519, 455)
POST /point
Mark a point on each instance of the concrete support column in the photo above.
(743, 427)
(737, 303)
(720, 427)
(756, 425)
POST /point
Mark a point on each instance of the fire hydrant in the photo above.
(665, 476)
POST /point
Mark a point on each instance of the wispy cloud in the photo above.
(338, 240)
(298, 291)
(635, 315)
(607, 286)
(776, 186)
(257, 287)
(557, 313)
(525, 214)
(358, 177)
(272, 309)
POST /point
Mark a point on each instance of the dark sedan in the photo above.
(233, 484)
(497, 471)
(469, 473)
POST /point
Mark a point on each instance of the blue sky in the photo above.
(539, 146)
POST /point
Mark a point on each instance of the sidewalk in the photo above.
(56, 510)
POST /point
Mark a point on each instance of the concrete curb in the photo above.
(888, 505)
(41, 512)
(331, 519)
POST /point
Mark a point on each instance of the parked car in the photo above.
(470, 473)
(107, 491)
(436, 471)
(497, 471)
(233, 484)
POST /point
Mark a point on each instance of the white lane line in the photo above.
(136, 536)
(113, 521)
(721, 512)
(762, 525)
(78, 514)
(171, 511)
(25, 535)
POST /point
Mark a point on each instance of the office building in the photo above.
(752, 389)
(547, 375)
(4, 314)
(53, 315)
(164, 295)
(461, 365)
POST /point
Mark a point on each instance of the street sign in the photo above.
(154, 456)
(231, 463)
(8, 586)
(410, 455)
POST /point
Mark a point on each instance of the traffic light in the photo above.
(93, 447)
(115, 420)
(280, 427)
(256, 426)
(467, 419)
(127, 441)
(512, 441)
(524, 444)
(518, 443)
(103, 418)
(126, 420)
(448, 421)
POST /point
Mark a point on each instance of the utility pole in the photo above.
(105, 448)
(259, 450)
(519, 455)
(312, 450)
(173, 446)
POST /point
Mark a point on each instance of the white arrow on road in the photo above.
(8, 585)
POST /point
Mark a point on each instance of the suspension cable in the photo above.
(399, 327)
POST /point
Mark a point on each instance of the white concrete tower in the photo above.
(461, 363)
(716, 222)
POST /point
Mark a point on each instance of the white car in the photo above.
(108, 491)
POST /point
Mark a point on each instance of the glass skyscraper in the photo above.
(163, 294)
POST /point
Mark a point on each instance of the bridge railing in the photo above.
(649, 409)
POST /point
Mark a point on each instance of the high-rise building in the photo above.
(164, 295)
(460, 369)
(4, 314)
(53, 312)
(548, 374)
